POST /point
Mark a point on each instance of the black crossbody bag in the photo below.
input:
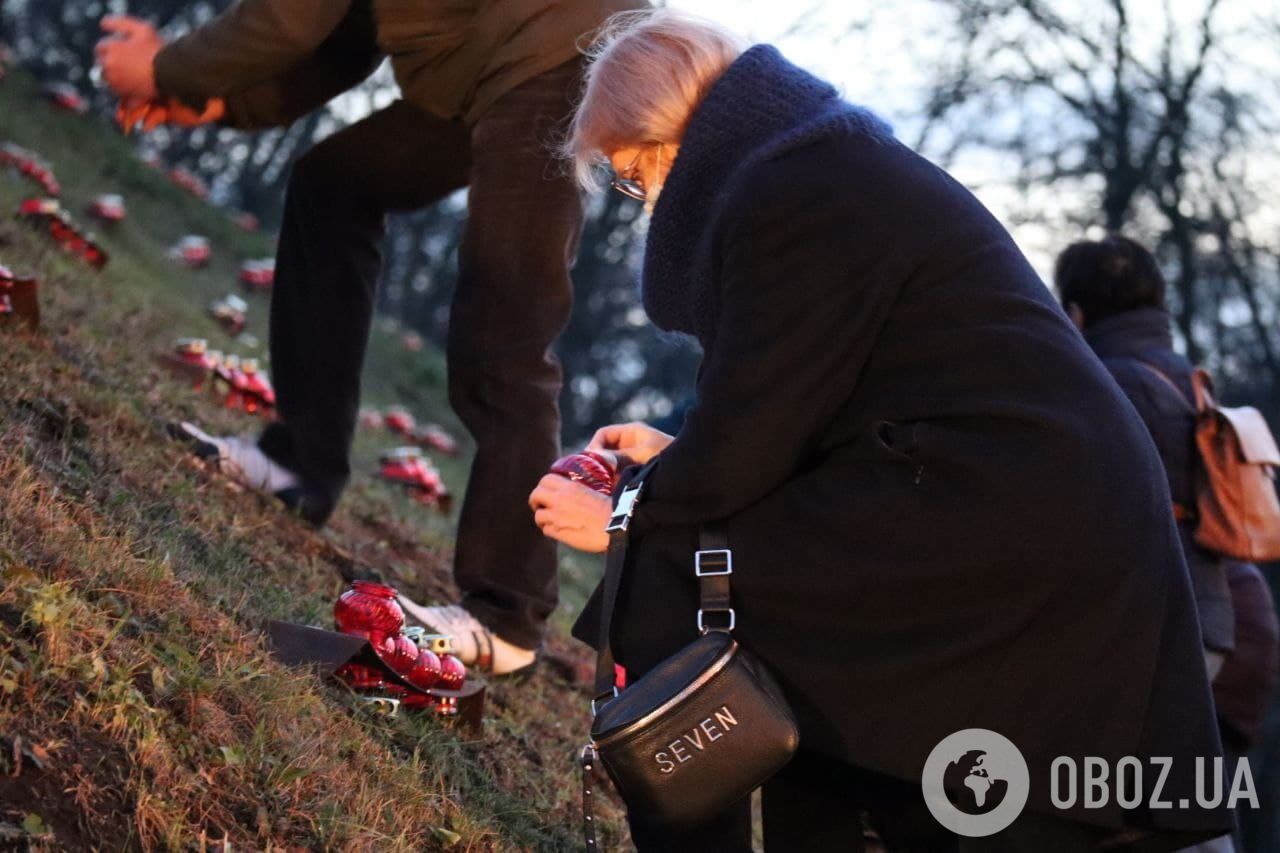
(702, 729)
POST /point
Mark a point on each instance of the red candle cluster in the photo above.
(240, 383)
(244, 386)
(401, 422)
(46, 213)
(66, 97)
(192, 250)
(407, 466)
(370, 610)
(108, 208)
(31, 166)
(231, 312)
(189, 181)
(258, 275)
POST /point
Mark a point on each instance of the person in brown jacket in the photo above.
(486, 86)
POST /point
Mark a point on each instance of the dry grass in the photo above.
(139, 708)
(110, 654)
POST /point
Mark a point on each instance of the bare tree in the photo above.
(1130, 116)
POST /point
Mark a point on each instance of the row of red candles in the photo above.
(370, 610)
(242, 383)
(48, 213)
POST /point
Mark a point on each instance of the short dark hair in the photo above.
(1109, 276)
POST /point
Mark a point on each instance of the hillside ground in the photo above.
(139, 706)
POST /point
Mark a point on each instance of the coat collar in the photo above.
(1130, 332)
(761, 106)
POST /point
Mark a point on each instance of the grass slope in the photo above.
(139, 708)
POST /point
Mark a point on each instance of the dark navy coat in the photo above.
(944, 514)
(1134, 345)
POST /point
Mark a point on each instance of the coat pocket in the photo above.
(900, 440)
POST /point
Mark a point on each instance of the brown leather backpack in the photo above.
(1237, 511)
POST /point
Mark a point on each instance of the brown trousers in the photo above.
(512, 300)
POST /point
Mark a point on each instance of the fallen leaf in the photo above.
(33, 826)
(446, 837)
(232, 755)
(38, 754)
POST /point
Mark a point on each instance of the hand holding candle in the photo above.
(593, 470)
(631, 443)
(571, 503)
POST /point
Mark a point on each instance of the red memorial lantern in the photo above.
(370, 610)
(588, 468)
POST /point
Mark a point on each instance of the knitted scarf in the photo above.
(761, 107)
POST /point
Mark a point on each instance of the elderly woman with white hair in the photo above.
(943, 514)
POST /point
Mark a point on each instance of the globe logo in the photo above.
(975, 782)
(970, 786)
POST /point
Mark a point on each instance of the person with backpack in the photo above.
(1219, 464)
(485, 86)
(1114, 292)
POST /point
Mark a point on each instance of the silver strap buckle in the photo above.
(621, 518)
(733, 620)
(613, 695)
(718, 561)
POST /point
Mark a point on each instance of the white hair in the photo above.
(648, 72)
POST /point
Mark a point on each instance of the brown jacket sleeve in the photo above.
(346, 57)
(252, 42)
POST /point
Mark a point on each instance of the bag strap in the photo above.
(1202, 385)
(712, 565)
(615, 560)
(1164, 377)
(588, 761)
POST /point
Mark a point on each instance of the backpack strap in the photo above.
(1203, 399)
(1201, 394)
(1202, 385)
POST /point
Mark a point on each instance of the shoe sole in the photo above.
(293, 498)
(199, 448)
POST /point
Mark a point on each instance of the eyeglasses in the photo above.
(629, 183)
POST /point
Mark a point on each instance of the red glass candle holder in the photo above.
(407, 466)
(360, 677)
(590, 469)
(452, 673)
(370, 610)
(398, 421)
(426, 670)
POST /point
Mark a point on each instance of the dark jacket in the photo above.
(1246, 685)
(944, 514)
(275, 60)
(1130, 345)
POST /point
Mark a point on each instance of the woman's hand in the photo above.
(571, 513)
(633, 443)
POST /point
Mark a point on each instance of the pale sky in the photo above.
(880, 66)
(884, 64)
